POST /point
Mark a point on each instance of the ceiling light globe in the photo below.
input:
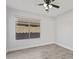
(46, 8)
(45, 5)
(50, 6)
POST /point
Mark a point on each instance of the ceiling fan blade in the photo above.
(41, 4)
(55, 6)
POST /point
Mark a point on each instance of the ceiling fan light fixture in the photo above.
(47, 4)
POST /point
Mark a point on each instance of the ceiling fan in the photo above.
(47, 4)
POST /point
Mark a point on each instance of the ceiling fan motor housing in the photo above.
(48, 1)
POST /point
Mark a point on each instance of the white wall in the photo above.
(47, 30)
(64, 30)
(59, 30)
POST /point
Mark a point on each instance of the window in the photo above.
(27, 30)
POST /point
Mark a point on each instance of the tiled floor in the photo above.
(52, 51)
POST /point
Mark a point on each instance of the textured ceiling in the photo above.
(31, 6)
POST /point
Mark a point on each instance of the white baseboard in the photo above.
(64, 46)
(9, 50)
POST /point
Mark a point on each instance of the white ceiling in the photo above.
(31, 6)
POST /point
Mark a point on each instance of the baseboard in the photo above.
(64, 46)
(10, 50)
